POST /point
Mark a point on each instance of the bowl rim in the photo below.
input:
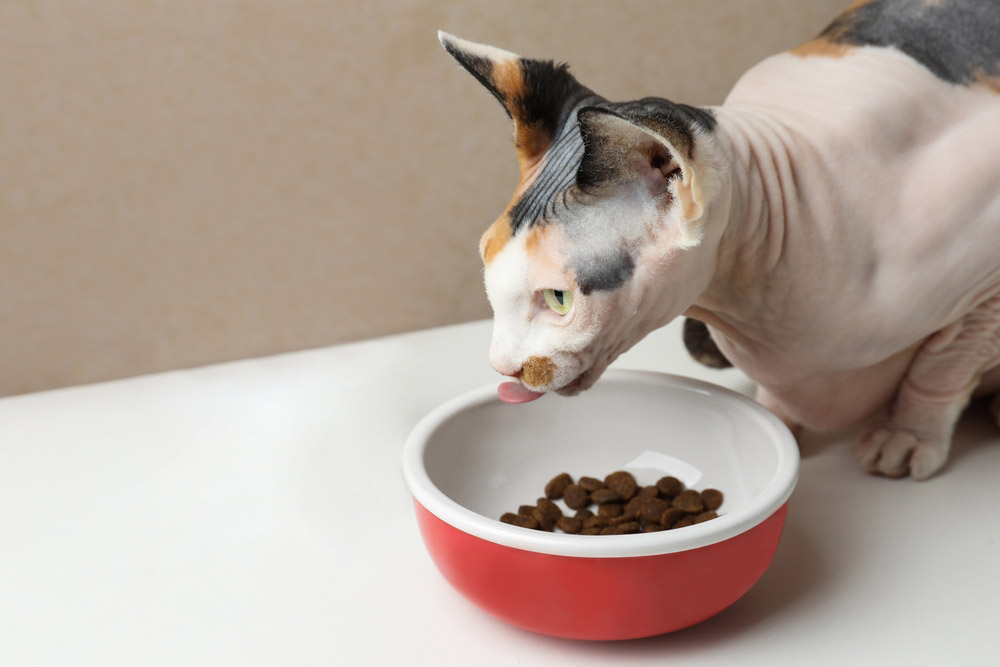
(728, 525)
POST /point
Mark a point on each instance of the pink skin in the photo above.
(867, 305)
(515, 392)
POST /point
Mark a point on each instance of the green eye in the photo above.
(558, 300)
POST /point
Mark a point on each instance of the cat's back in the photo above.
(879, 58)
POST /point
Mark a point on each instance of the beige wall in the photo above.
(184, 182)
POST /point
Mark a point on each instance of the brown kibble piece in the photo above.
(518, 520)
(652, 509)
(670, 516)
(711, 498)
(545, 522)
(689, 501)
(627, 528)
(602, 496)
(669, 486)
(624, 483)
(591, 483)
(551, 510)
(554, 489)
(648, 492)
(610, 510)
(576, 496)
(623, 506)
(569, 524)
(620, 519)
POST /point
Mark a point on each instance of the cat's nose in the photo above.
(509, 370)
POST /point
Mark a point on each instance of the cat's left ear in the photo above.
(652, 143)
(537, 94)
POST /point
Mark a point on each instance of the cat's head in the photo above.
(597, 246)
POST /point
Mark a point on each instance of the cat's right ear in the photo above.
(536, 94)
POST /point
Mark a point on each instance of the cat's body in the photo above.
(836, 224)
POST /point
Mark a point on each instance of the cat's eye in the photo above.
(558, 300)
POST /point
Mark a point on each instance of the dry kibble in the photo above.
(518, 520)
(557, 485)
(591, 483)
(620, 519)
(545, 522)
(652, 509)
(711, 498)
(550, 509)
(623, 506)
(626, 528)
(569, 524)
(669, 486)
(576, 496)
(602, 496)
(648, 492)
(689, 501)
(610, 510)
(624, 483)
(670, 517)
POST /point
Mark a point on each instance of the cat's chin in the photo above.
(581, 382)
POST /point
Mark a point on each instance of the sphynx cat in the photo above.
(835, 223)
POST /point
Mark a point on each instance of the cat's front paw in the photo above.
(894, 452)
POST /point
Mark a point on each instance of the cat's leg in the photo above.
(700, 345)
(995, 409)
(938, 384)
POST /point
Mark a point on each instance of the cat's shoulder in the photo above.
(956, 40)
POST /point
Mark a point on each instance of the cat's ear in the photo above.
(538, 95)
(646, 143)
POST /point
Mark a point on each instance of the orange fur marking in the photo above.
(989, 82)
(495, 238)
(824, 45)
(529, 139)
(538, 371)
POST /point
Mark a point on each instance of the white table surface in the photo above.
(254, 513)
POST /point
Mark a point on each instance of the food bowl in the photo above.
(474, 458)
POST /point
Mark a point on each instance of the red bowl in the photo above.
(474, 458)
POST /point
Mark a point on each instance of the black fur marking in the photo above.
(954, 39)
(701, 347)
(551, 94)
(557, 175)
(605, 273)
(479, 67)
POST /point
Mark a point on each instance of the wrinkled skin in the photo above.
(834, 223)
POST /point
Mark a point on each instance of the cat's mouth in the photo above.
(515, 392)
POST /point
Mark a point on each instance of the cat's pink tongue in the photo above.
(515, 392)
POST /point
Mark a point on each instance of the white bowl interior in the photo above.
(488, 457)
